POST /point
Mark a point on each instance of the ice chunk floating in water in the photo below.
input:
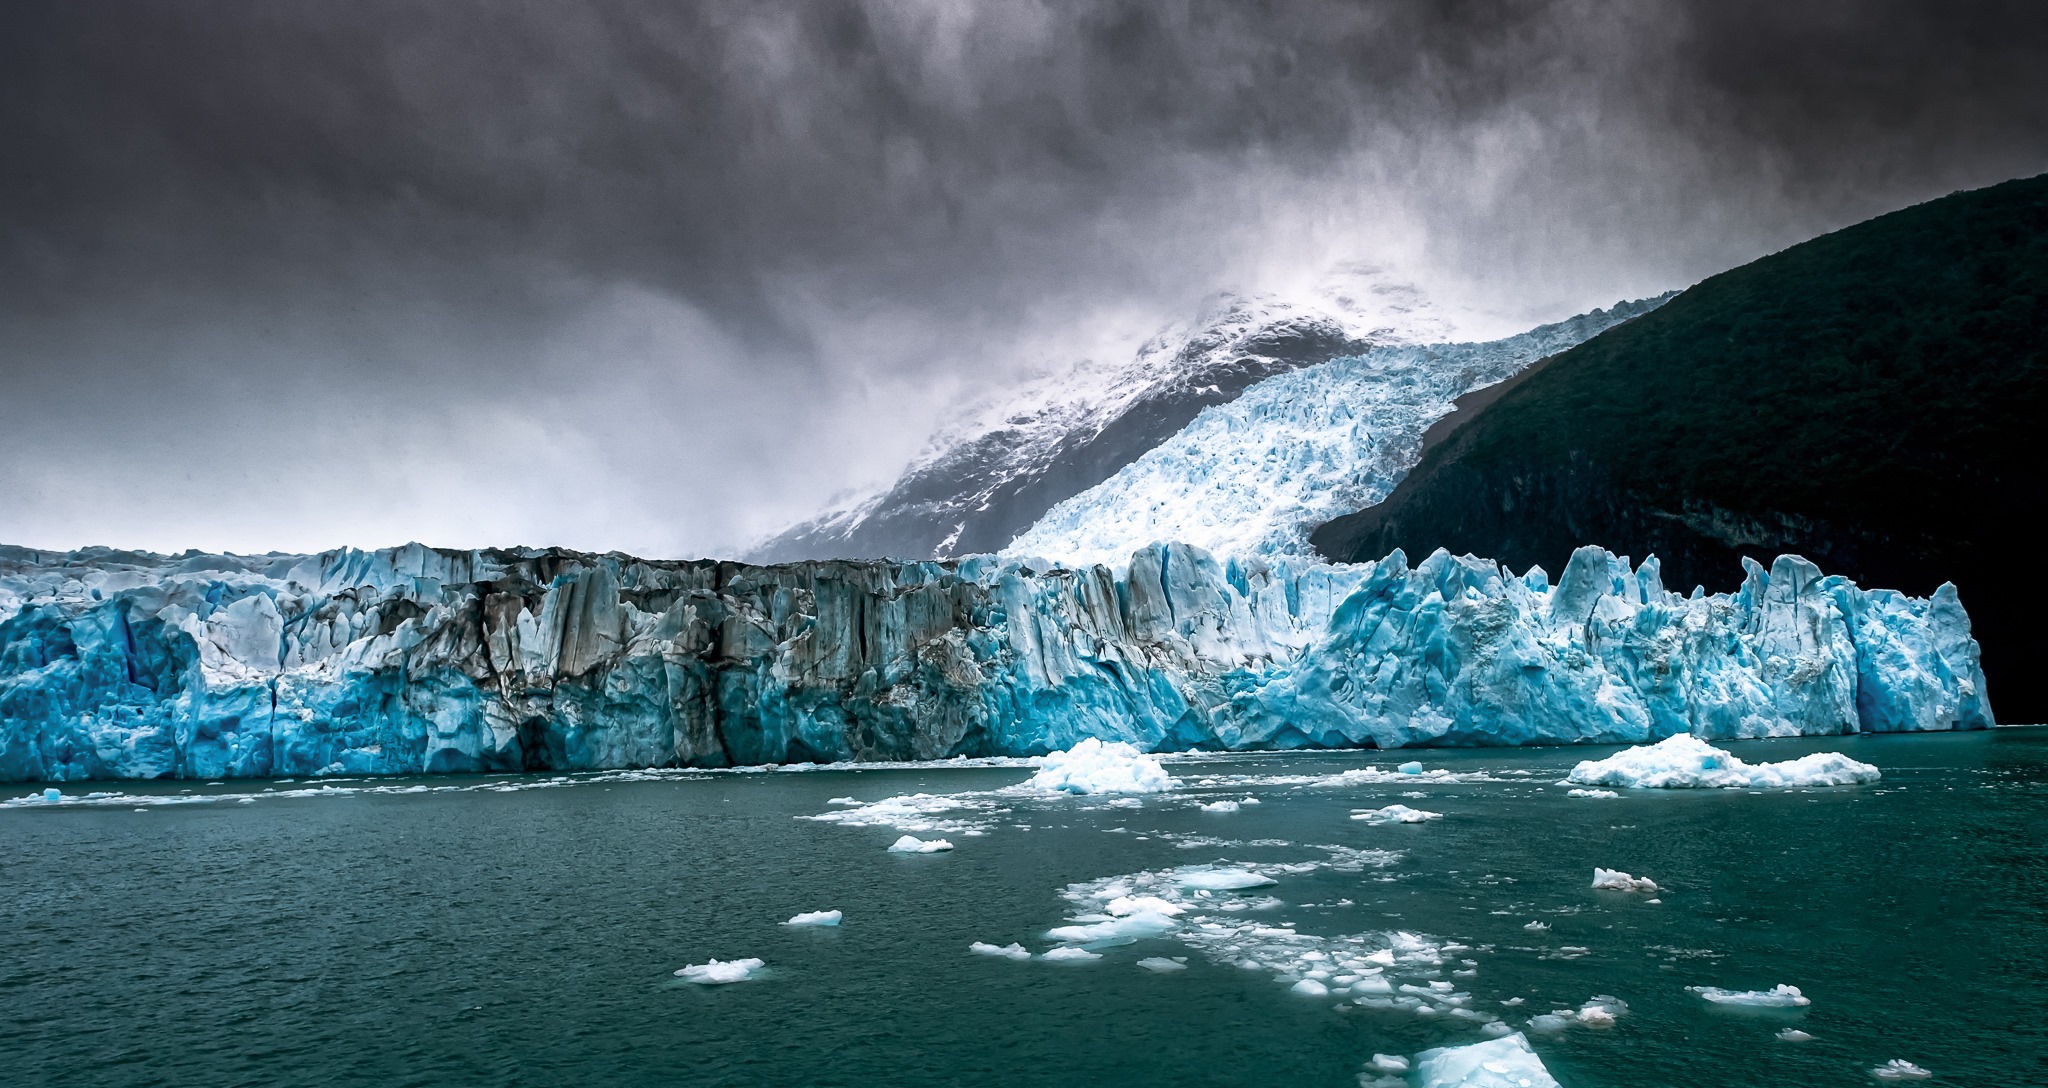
(1900, 1069)
(816, 918)
(721, 972)
(911, 844)
(1506, 1062)
(1684, 761)
(1777, 997)
(1095, 766)
(1223, 880)
(1614, 880)
(1000, 951)
(1396, 814)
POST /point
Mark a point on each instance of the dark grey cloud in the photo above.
(659, 276)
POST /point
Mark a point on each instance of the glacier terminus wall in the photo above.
(413, 659)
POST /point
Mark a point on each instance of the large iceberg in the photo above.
(1093, 766)
(1687, 762)
(414, 659)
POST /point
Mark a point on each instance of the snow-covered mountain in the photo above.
(1006, 461)
(1255, 476)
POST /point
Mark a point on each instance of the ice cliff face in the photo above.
(126, 665)
(1256, 475)
(1008, 460)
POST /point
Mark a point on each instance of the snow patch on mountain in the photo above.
(1005, 460)
(1257, 475)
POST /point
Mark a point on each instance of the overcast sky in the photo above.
(662, 277)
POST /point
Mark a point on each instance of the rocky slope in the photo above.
(993, 473)
(128, 665)
(1871, 399)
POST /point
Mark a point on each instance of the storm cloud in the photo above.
(664, 277)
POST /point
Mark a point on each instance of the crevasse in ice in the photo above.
(412, 659)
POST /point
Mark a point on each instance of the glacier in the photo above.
(1005, 458)
(419, 660)
(1258, 474)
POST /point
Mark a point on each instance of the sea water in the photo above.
(527, 930)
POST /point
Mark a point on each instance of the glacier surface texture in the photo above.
(1004, 461)
(412, 659)
(1257, 475)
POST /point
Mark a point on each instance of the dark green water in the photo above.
(528, 937)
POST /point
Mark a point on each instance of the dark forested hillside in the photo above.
(1871, 399)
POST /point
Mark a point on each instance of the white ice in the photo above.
(1161, 964)
(1794, 1035)
(1506, 1062)
(721, 972)
(1223, 880)
(1069, 954)
(816, 918)
(1614, 880)
(1777, 997)
(1395, 814)
(1683, 761)
(1390, 1063)
(911, 844)
(1900, 1069)
(1003, 951)
(1591, 793)
(1220, 806)
(1095, 766)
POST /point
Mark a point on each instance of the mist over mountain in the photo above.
(666, 278)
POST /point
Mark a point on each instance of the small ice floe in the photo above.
(53, 795)
(1129, 919)
(1410, 767)
(721, 972)
(1591, 793)
(1095, 766)
(1069, 954)
(911, 844)
(1309, 987)
(1506, 1062)
(1220, 806)
(1683, 761)
(1777, 997)
(1900, 1069)
(918, 812)
(1125, 802)
(1614, 880)
(816, 918)
(1794, 1035)
(1222, 880)
(1000, 951)
(1538, 927)
(1601, 1010)
(1389, 1063)
(1162, 964)
(1395, 814)
(842, 801)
